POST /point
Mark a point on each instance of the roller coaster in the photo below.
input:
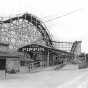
(28, 31)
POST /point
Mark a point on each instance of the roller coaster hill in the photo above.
(26, 44)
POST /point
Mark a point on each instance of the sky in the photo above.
(67, 28)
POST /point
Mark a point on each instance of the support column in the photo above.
(48, 58)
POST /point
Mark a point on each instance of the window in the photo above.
(22, 63)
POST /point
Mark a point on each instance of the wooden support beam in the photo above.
(48, 58)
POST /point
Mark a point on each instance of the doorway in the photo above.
(2, 64)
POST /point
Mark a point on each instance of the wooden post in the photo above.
(5, 69)
(48, 58)
(5, 73)
(85, 59)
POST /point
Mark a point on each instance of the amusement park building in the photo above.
(27, 44)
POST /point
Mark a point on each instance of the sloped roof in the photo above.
(57, 51)
(8, 54)
(4, 44)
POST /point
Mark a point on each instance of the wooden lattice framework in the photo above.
(25, 29)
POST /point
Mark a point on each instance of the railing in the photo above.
(66, 46)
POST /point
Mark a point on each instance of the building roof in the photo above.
(4, 44)
(9, 54)
(56, 51)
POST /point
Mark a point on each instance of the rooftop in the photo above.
(4, 44)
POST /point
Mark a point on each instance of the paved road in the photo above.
(81, 81)
(65, 78)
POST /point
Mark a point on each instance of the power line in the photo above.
(69, 13)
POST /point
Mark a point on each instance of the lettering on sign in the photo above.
(33, 49)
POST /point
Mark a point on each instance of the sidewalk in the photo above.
(47, 68)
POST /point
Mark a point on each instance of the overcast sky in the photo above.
(68, 28)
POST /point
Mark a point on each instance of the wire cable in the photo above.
(69, 13)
